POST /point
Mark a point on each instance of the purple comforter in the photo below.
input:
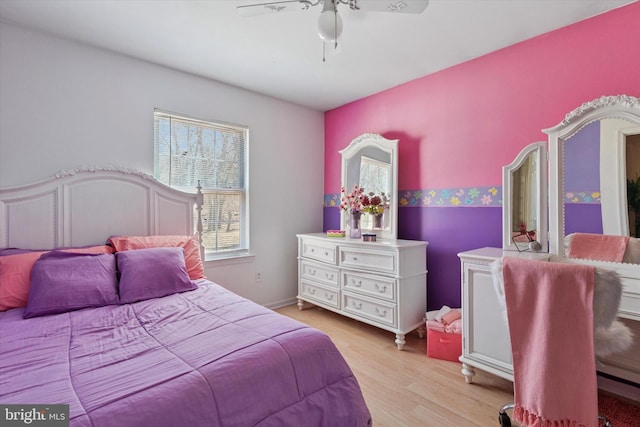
(201, 358)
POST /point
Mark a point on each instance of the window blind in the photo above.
(189, 150)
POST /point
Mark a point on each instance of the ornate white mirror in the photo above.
(524, 205)
(594, 154)
(371, 161)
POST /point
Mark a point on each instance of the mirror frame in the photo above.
(540, 198)
(352, 151)
(615, 107)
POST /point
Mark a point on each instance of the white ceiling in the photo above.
(280, 54)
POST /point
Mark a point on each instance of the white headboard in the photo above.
(87, 205)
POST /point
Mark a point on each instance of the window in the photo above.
(187, 150)
(374, 175)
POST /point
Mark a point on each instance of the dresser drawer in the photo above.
(384, 261)
(327, 296)
(376, 310)
(320, 251)
(375, 286)
(320, 272)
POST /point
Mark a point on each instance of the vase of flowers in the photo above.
(375, 205)
(353, 203)
(355, 232)
(377, 220)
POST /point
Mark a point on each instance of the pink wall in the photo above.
(458, 127)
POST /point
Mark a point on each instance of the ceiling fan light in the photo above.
(329, 25)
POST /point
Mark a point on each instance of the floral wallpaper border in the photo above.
(590, 197)
(465, 197)
(458, 197)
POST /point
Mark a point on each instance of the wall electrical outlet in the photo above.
(258, 276)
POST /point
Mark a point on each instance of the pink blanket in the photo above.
(550, 313)
(601, 247)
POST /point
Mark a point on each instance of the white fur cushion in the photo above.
(568, 240)
(616, 338)
(632, 253)
(606, 297)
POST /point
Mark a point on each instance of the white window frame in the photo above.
(243, 248)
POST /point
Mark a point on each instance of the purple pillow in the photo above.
(152, 273)
(66, 281)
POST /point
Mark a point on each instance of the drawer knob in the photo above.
(382, 288)
(355, 258)
(356, 304)
(358, 283)
(381, 313)
(328, 296)
(313, 250)
(329, 276)
(326, 253)
(312, 291)
(312, 272)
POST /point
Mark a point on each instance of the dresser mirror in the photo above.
(524, 210)
(371, 161)
(593, 154)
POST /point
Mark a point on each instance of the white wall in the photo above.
(65, 104)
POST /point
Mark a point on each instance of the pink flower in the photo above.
(352, 201)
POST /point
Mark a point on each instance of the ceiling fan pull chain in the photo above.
(335, 25)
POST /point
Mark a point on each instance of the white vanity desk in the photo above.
(485, 340)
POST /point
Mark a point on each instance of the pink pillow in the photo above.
(15, 274)
(187, 243)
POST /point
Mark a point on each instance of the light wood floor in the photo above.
(407, 388)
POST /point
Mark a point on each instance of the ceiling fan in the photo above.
(329, 21)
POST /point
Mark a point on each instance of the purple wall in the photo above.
(582, 160)
(448, 231)
(583, 218)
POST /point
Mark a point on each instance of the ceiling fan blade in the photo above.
(275, 7)
(395, 6)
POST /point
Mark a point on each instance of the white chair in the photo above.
(610, 335)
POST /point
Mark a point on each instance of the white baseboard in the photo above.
(628, 391)
(283, 303)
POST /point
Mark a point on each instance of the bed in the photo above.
(132, 335)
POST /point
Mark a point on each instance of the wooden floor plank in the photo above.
(407, 388)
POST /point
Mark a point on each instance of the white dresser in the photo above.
(485, 334)
(381, 283)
